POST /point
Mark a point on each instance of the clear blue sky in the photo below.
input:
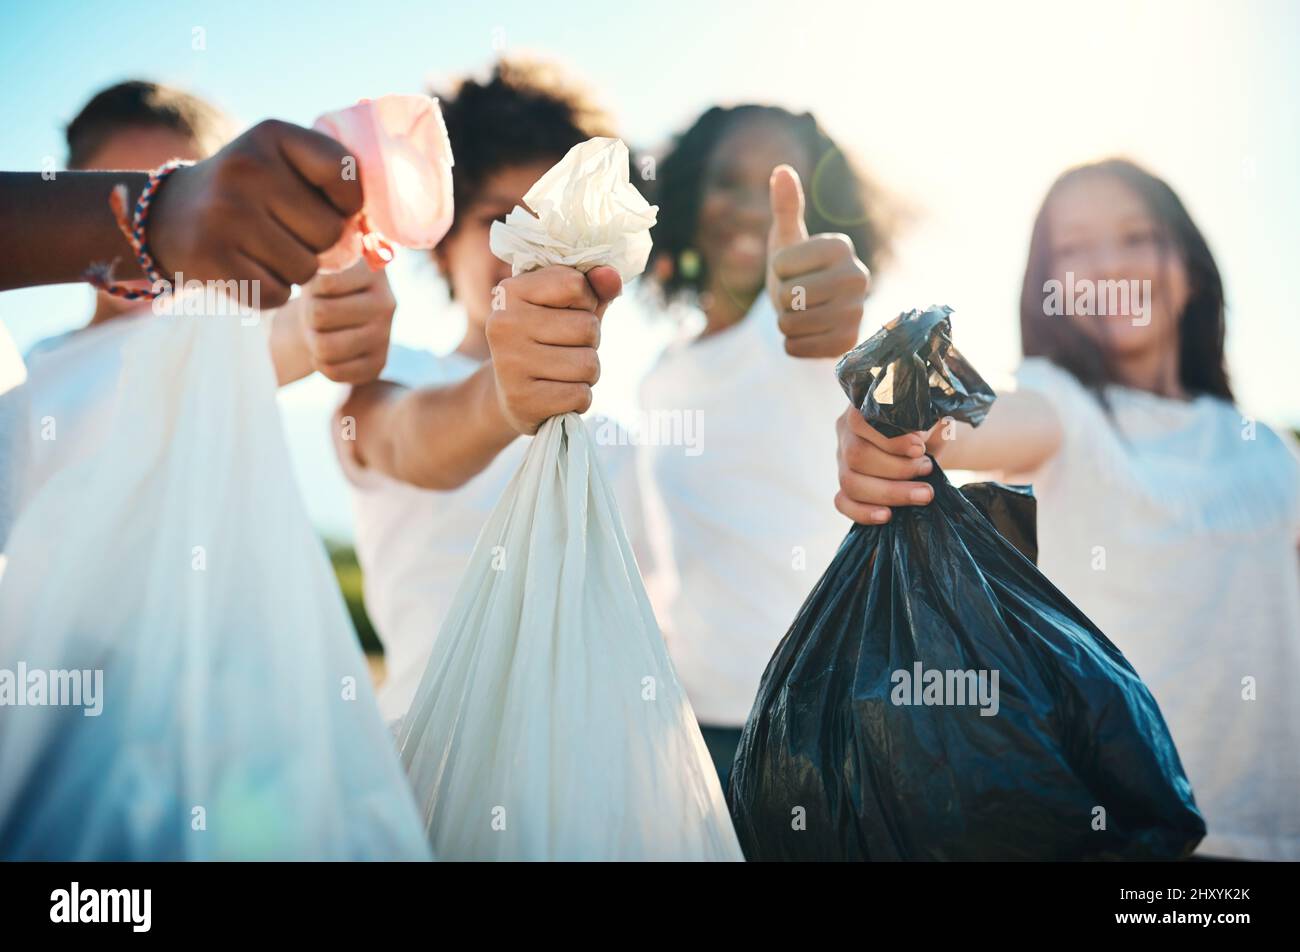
(968, 110)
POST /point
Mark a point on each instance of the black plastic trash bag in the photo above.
(1013, 510)
(936, 697)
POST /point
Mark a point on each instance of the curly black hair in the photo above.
(841, 198)
(527, 111)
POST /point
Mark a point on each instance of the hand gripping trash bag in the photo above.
(936, 697)
(549, 724)
(183, 681)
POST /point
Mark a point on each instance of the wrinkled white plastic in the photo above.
(587, 213)
(12, 375)
(176, 557)
(549, 724)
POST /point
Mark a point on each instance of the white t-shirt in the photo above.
(741, 525)
(413, 544)
(1174, 527)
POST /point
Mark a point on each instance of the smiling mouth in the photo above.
(746, 247)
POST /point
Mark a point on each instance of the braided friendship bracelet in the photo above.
(101, 275)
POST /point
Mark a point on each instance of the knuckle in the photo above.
(899, 493)
(857, 457)
(302, 272)
(574, 283)
(274, 295)
(268, 130)
(583, 398)
(332, 228)
(237, 165)
(378, 335)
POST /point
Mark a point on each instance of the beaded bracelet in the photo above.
(100, 275)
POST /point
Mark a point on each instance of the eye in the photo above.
(1140, 238)
(725, 182)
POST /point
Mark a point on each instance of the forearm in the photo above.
(431, 437)
(1021, 432)
(53, 230)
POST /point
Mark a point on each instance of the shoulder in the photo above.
(1279, 443)
(1075, 404)
(1040, 374)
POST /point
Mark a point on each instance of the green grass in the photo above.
(344, 559)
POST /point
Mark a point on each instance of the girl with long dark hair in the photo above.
(1165, 513)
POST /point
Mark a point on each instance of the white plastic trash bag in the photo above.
(582, 213)
(549, 724)
(12, 375)
(165, 588)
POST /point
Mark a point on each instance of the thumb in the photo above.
(788, 226)
(356, 277)
(607, 283)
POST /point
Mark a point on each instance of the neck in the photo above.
(725, 308)
(1154, 371)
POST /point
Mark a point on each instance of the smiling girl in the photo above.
(1165, 513)
(739, 529)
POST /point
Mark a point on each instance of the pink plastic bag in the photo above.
(404, 159)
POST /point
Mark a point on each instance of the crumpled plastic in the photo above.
(873, 736)
(404, 159)
(908, 376)
(549, 723)
(584, 212)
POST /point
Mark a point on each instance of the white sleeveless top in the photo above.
(1174, 525)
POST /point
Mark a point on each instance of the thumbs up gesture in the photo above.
(817, 284)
